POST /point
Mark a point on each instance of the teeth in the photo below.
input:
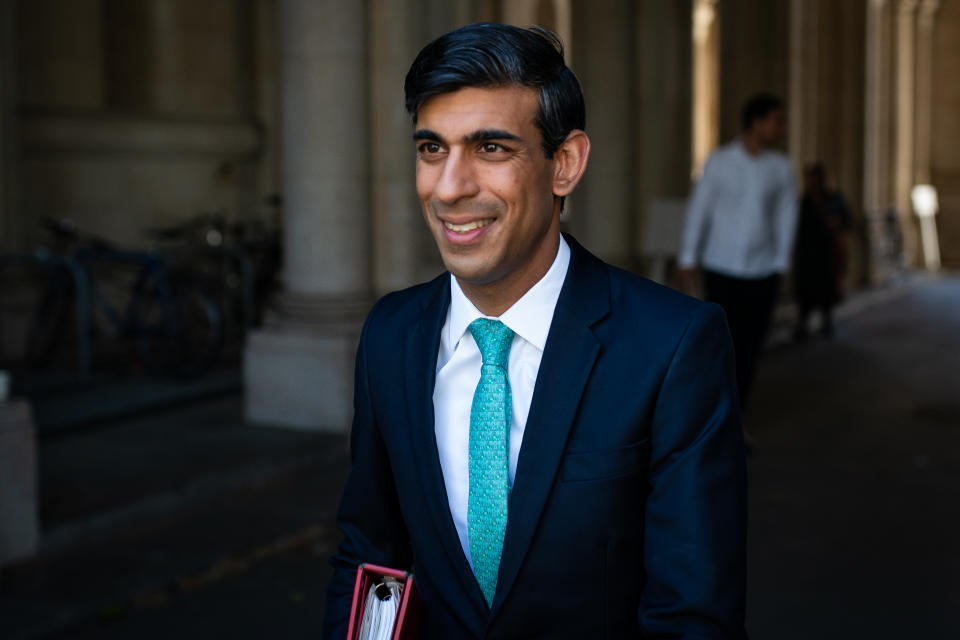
(470, 226)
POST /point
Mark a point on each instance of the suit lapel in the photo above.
(568, 358)
(420, 359)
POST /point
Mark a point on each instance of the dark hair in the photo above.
(488, 54)
(759, 107)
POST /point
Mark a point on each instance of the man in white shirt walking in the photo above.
(740, 229)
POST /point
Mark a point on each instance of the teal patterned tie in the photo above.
(489, 445)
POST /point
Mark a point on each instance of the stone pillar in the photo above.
(924, 101)
(398, 231)
(662, 112)
(179, 56)
(603, 209)
(876, 139)
(140, 40)
(876, 110)
(266, 91)
(825, 100)
(804, 94)
(10, 227)
(550, 14)
(19, 522)
(706, 83)
(923, 115)
(299, 368)
(754, 55)
(905, 96)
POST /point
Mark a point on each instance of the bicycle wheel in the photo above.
(178, 330)
(48, 322)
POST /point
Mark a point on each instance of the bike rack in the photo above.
(81, 283)
(240, 256)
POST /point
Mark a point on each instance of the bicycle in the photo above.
(175, 327)
(237, 259)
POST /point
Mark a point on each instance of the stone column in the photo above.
(924, 100)
(398, 231)
(19, 522)
(804, 95)
(706, 83)
(266, 91)
(550, 14)
(298, 369)
(876, 110)
(904, 141)
(825, 100)
(10, 227)
(603, 209)
(754, 55)
(876, 139)
(923, 115)
(662, 112)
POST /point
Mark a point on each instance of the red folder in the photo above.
(407, 625)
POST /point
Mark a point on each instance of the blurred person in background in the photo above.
(820, 259)
(739, 229)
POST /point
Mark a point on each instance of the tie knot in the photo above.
(493, 339)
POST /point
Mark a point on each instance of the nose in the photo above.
(457, 178)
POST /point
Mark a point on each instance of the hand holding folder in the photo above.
(386, 605)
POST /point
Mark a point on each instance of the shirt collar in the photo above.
(742, 148)
(529, 317)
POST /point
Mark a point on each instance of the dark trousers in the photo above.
(748, 304)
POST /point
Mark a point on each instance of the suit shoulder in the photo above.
(658, 307)
(399, 309)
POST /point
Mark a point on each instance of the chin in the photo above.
(469, 271)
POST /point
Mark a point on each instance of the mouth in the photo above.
(467, 227)
(466, 233)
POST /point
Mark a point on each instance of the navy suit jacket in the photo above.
(627, 515)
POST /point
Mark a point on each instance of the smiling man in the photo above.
(551, 444)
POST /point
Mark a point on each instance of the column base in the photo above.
(298, 369)
(19, 521)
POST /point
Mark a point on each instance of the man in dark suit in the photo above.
(552, 445)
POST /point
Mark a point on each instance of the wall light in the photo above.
(925, 205)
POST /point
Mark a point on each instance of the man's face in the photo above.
(485, 184)
(772, 128)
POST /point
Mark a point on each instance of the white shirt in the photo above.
(742, 216)
(458, 372)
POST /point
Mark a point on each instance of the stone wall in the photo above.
(138, 113)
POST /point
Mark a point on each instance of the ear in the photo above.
(569, 162)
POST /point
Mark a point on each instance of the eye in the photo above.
(491, 147)
(429, 149)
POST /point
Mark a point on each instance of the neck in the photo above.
(494, 298)
(752, 143)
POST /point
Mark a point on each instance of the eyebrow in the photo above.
(481, 135)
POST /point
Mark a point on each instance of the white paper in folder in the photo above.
(380, 611)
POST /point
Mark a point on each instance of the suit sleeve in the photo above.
(369, 516)
(695, 527)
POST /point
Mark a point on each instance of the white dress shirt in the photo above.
(458, 372)
(742, 217)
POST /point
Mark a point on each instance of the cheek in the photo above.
(425, 180)
(516, 188)
(422, 191)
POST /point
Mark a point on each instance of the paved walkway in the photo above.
(855, 493)
(187, 523)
